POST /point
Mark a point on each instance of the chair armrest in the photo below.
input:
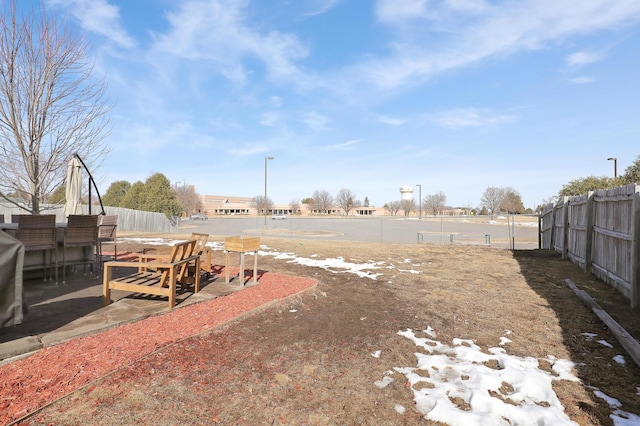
(155, 265)
(145, 256)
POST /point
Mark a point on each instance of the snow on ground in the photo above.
(490, 386)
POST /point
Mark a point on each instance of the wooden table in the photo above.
(242, 245)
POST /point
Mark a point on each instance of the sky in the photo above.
(460, 368)
(452, 95)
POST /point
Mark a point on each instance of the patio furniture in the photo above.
(38, 232)
(81, 231)
(107, 235)
(13, 305)
(201, 248)
(155, 277)
(241, 245)
(15, 218)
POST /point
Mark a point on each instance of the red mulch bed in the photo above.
(31, 383)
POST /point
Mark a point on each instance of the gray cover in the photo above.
(12, 305)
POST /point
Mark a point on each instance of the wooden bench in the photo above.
(201, 248)
(159, 277)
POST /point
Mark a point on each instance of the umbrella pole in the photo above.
(89, 196)
(90, 182)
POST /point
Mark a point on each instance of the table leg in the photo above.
(241, 274)
(226, 267)
(255, 267)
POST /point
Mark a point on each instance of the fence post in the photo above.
(553, 227)
(635, 248)
(565, 228)
(539, 230)
(589, 211)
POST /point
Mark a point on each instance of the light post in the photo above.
(420, 200)
(265, 188)
(615, 166)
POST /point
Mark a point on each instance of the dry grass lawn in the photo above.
(307, 360)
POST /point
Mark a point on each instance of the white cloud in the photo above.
(453, 40)
(581, 80)
(98, 16)
(467, 5)
(400, 10)
(269, 118)
(391, 120)
(343, 146)
(217, 32)
(579, 59)
(315, 120)
(319, 7)
(471, 117)
(248, 150)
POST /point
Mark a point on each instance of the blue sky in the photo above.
(455, 95)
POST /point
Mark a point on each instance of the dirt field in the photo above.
(319, 358)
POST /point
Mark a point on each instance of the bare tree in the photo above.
(492, 198)
(408, 206)
(435, 203)
(346, 200)
(262, 204)
(393, 207)
(189, 199)
(294, 205)
(50, 106)
(512, 202)
(323, 201)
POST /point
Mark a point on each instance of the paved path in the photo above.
(459, 230)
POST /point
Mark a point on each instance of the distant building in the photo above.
(223, 205)
(214, 205)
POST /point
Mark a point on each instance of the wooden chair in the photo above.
(15, 218)
(201, 248)
(107, 235)
(38, 232)
(155, 277)
(81, 231)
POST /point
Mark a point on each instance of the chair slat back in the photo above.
(180, 251)
(201, 241)
(37, 232)
(107, 228)
(82, 230)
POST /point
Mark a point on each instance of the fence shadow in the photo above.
(590, 342)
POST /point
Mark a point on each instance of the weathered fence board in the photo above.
(600, 232)
(128, 219)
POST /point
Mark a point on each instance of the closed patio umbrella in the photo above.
(73, 190)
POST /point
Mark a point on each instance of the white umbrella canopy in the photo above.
(73, 190)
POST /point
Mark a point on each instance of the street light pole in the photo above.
(265, 188)
(615, 166)
(420, 200)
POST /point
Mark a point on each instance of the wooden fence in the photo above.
(128, 219)
(600, 232)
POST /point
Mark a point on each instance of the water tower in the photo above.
(406, 193)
